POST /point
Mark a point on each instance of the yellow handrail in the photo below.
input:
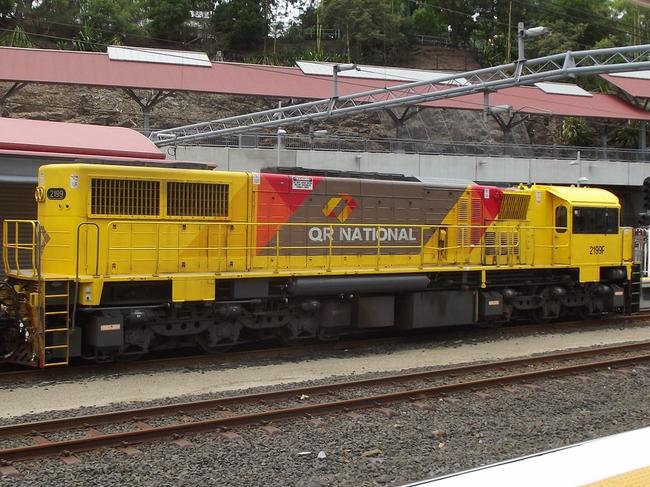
(17, 245)
(513, 246)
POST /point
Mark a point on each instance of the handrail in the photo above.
(76, 272)
(513, 248)
(17, 245)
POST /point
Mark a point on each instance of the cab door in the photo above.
(561, 232)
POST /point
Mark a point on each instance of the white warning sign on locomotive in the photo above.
(302, 182)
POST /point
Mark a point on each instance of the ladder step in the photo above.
(48, 313)
(56, 347)
(48, 296)
(55, 330)
(54, 364)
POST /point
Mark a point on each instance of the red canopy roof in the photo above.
(529, 99)
(636, 87)
(96, 69)
(70, 138)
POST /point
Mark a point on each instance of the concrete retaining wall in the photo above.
(483, 169)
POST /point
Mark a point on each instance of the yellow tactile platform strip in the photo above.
(635, 478)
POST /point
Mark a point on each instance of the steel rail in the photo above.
(526, 72)
(132, 437)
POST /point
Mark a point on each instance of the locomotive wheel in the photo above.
(329, 335)
(538, 315)
(222, 347)
(129, 357)
(219, 338)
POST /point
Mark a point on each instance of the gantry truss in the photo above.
(522, 72)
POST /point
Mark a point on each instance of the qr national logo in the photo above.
(340, 207)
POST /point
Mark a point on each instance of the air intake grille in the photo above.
(508, 243)
(124, 197)
(197, 199)
(514, 206)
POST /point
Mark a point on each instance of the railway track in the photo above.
(76, 434)
(275, 352)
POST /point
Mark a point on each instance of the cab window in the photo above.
(560, 219)
(595, 220)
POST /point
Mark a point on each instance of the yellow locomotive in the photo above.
(123, 260)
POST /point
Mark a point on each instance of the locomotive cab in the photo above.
(587, 231)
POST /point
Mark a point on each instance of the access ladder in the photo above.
(54, 321)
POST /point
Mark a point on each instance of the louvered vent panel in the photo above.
(490, 243)
(514, 206)
(124, 197)
(509, 243)
(197, 199)
(477, 219)
(463, 220)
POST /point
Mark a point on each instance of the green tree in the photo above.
(457, 16)
(110, 18)
(17, 38)
(6, 8)
(632, 21)
(426, 21)
(574, 24)
(575, 131)
(167, 18)
(494, 21)
(564, 36)
(627, 136)
(372, 30)
(59, 17)
(239, 24)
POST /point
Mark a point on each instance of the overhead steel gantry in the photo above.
(521, 72)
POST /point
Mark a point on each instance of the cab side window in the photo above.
(595, 220)
(560, 219)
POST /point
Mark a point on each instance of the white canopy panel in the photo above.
(633, 74)
(164, 56)
(562, 89)
(377, 72)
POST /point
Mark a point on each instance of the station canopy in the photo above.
(140, 68)
(59, 139)
(635, 83)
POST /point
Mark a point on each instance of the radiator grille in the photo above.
(514, 206)
(197, 199)
(124, 197)
(463, 221)
(490, 243)
(477, 220)
(508, 243)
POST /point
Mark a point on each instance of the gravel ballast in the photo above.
(105, 390)
(460, 431)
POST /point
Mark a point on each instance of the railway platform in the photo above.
(611, 461)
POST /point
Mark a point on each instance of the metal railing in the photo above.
(437, 41)
(21, 248)
(218, 247)
(424, 146)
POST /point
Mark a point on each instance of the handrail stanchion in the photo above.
(378, 236)
(330, 244)
(421, 247)
(277, 250)
(75, 296)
